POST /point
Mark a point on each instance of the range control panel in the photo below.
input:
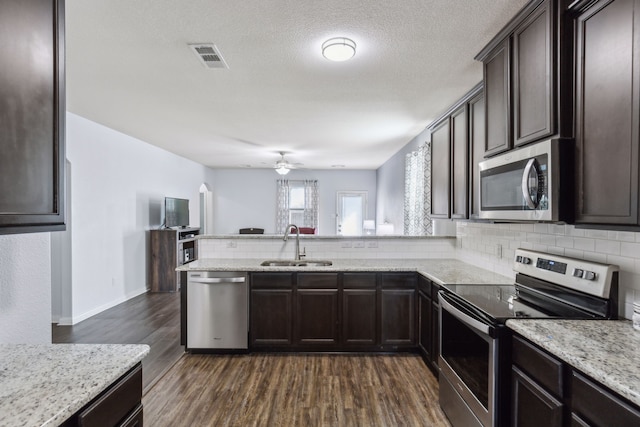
(585, 276)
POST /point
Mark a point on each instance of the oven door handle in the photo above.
(463, 317)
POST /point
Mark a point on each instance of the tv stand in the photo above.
(170, 248)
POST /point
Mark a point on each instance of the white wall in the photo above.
(247, 197)
(118, 185)
(390, 180)
(25, 289)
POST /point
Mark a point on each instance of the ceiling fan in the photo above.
(282, 166)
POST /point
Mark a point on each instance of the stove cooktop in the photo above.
(497, 302)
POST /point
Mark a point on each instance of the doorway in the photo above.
(352, 210)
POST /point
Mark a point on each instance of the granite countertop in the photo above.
(441, 271)
(44, 384)
(605, 350)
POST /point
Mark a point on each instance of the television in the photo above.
(176, 212)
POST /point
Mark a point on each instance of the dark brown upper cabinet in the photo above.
(476, 151)
(523, 67)
(441, 169)
(459, 163)
(533, 77)
(497, 95)
(32, 116)
(607, 88)
(451, 137)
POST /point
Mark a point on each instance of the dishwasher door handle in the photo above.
(217, 279)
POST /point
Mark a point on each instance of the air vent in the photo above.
(208, 55)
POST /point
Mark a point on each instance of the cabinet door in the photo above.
(607, 112)
(459, 164)
(532, 406)
(497, 92)
(598, 407)
(476, 152)
(359, 318)
(435, 328)
(533, 77)
(32, 116)
(398, 317)
(271, 317)
(424, 334)
(317, 317)
(441, 170)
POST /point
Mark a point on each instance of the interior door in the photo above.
(352, 209)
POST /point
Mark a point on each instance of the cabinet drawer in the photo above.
(116, 403)
(398, 280)
(272, 280)
(544, 368)
(318, 280)
(599, 407)
(359, 280)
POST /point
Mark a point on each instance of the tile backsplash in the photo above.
(492, 246)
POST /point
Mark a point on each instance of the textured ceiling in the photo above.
(129, 67)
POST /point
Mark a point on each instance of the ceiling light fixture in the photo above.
(282, 166)
(282, 170)
(339, 49)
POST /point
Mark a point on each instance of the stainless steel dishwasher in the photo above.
(217, 310)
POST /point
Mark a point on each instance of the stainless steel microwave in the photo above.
(533, 183)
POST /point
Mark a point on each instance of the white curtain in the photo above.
(417, 192)
(282, 205)
(306, 217)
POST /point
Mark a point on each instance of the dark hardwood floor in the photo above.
(259, 389)
(295, 390)
(150, 318)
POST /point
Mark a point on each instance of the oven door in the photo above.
(468, 365)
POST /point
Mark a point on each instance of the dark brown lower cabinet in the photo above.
(317, 311)
(316, 317)
(593, 405)
(359, 317)
(532, 405)
(271, 310)
(424, 332)
(119, 405)
(271, 317)
(398, 317)
(547, 392)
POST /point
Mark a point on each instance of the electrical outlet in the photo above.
(345, 245)
(373, 244)
(359, 244)
(231, 244)
(499, 250)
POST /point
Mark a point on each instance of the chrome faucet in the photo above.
(286, 236)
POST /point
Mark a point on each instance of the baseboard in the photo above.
(65, 321)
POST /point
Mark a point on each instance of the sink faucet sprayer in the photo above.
(286, 236)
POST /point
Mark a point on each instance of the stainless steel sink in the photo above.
(301, 263)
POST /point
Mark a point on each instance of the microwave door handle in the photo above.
(531, 164)
(463, 317)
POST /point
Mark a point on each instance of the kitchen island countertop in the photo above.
(44, 384)
(441, 271)
(605, 350)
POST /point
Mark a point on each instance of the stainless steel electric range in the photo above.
(475, 344)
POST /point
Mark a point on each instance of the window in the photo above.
(297, 203)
